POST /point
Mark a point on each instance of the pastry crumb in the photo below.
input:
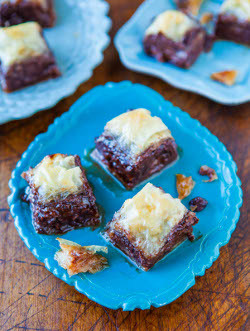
(77, 259)
(207, 171)
(190, 6)
(206, 18)
(184, 185)
(226, 77)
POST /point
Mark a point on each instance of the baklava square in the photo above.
(134, 146)
(233, 21)
(60, 196)
(149, 226)
(13, 12)
(175, 37)
(25, 58)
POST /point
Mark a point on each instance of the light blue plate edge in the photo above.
(200, 263)
(103, 44)
(160, 74)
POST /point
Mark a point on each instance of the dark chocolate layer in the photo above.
(21, 11)
(182, 54)
(231, 28)
(124, 241)
(29, 72)
(132, 172)
(62, 215)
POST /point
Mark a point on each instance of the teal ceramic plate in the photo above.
(123, 285)
(224, 55)
(77, 41)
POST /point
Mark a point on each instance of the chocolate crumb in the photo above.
(198, 204)
(207, 171)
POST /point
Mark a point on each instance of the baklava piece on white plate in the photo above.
(233, 21)
(175, 37)
(13, 12)
(25, 58)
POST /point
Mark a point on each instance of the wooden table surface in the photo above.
(31, 298)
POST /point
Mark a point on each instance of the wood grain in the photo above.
(31, 298)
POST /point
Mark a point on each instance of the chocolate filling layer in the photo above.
(21, 11)
(62, 215)
(28, 72)
(231, 28)
(124, 241)
(131, 172)
(182, 54)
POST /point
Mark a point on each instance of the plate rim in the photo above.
(160, 74)
(70, 89)
(137, 301)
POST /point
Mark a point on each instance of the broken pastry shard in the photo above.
(189, 6)
(184, 185)
(60, 196)
(149, 226)
(134, 146)
(76, 258)
(227, 77)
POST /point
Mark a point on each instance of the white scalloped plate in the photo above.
(77, 40)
